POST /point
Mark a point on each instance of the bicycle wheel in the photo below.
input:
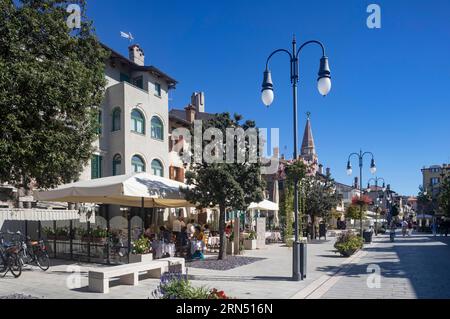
(43, 261)
(3, 265)
(15, 265)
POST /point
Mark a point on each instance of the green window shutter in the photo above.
(96, 167)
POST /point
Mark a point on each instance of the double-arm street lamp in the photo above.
(373, 170)
(378, 199)
(324, 87)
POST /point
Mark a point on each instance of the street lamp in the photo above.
(379, 201)
(373, 170)
(267, 96)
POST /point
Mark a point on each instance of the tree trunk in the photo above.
(223, 239)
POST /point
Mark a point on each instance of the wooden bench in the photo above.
(99, 279)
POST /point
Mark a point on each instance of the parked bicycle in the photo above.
(9, 258)
(33, 253)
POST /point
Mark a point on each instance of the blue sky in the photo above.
(390, 92)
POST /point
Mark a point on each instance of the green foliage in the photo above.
(444, 197)
(252, 235)
(51, 85)
(177, 286)
(348, 243)
(141, 246)
(319, 195)
(227, 185)
(354, 212)
(286, 210)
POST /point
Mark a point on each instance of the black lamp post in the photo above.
(373, 170)
(383, 189)
(324, 87)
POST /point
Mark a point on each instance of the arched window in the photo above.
(116, 119)
(137, 122)
(157, 168)
(117, 165)
(137, 164)
(157, 128)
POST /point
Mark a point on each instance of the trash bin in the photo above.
(367, 235)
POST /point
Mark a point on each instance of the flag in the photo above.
(128, 35)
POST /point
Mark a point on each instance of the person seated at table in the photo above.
(198, 242)
(165, 234)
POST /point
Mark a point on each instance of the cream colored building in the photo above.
(134, 119)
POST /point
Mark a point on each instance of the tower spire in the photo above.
(308, 151)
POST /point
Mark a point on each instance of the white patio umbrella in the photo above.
(264, 205)
(137, 190)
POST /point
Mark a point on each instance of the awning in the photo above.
(264, 205)
(37, 214)
(135, 190)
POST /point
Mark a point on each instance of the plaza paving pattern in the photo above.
(411, 267)
(415, 267)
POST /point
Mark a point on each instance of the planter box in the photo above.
(250, 244)
(230, 248)
(347, 253)
(140, 258)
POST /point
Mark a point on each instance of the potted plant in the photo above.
(99, 235)
(49, 232)
(141, 251)
(348, 243)
(230, 245)
(250, 242)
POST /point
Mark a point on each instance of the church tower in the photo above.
(308, 152)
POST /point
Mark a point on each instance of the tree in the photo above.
(318, 193)
(444, 197)
(226, 185)
(51, 85)
(424, 201)
(354, 212)
(292, 170)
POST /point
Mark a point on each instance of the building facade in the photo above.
(432, 178)
(134, 119)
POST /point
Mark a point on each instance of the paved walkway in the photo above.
(267, 278)
(415, 267)
(411, 267)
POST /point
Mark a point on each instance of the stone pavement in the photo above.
(267, 278)
(415, 267)
(411, 267)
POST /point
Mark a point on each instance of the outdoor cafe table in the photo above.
(160, 248)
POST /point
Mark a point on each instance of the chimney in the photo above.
(328, 171)
(198, 101)
(190, 113)
(356, 185)
(276, 152)
(320, 169)
(136, 54)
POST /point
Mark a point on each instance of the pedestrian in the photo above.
(434, 228)
(404, 227)
(410, 228)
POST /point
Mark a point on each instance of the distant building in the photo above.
(432, 178)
